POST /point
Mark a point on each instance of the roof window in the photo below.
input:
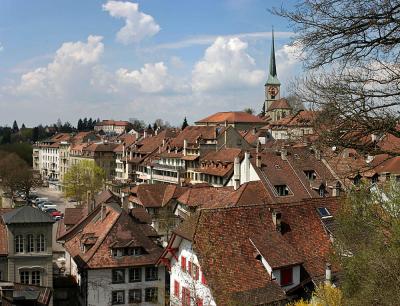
(324, 212)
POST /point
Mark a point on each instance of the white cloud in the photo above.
(226, 64)
(1, 47)
(209, 39)
(150, 78)
(72, 64)
(288, 61)
(138, 25)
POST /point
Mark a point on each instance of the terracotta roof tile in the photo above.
(231, 117)
(279, 104)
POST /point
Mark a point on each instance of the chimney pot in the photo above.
(328, 274)
(277, 220)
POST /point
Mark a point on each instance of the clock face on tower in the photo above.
(273, 91)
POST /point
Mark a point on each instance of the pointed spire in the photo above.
(273, 76)
(272, 62)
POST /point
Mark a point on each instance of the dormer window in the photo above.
(374, 178)
(127, 251)
(322, 191)
(282, 190)
(357, 180)
(286, 276)
(310, 174)
(324, 212)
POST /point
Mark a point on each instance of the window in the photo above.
(203, 279)
(375, 178)
(286, 276)
(324, 212)
(322, 191)
(118, 276)
(151, 295)
(30, 246)
(282, 190)
(24, 277)
(176, 289)
(310, 174)
(194, 270)
(185, 297)
(118, 297)
(35, 278)
(183, 263)
(40, 245)
(151, 273)
(135, 275)
(19, 244)
(357, 180)
(135, 296)
(117, 252)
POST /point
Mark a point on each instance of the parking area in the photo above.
(57, 198)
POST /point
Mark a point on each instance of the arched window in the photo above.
(30, 244)
(40, 243)
(19, 244)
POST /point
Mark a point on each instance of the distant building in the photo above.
(238, 120)
(112, 127)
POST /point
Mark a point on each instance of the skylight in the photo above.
(324, 212)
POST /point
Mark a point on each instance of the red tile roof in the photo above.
(154, 195)
(104, 228)
(112, 122)
(231, 117)
(279, 104)
(224, 241)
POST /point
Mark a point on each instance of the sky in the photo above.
(147, 59)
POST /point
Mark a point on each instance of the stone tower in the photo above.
(272, 86)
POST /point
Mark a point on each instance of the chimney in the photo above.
(277, 219)
(156, 132)
(226, 122)
(236, 173)
(130, 154)
(328, 274)
(163, 142)
(258, 160)
(184, 147)
(123, 150)
(284, 154)
(254, 131)
(336, 190)
(317, 154)
(144, 134)
(89, 201)
(247, 166)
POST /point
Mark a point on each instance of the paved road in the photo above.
(57, 198)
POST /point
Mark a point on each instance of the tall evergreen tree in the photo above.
(80, 123)
(35, 134)
(263, 110)
(184, 124)
(149, 127)
(85, 124)
(23, 126)
(15, 128)
(90, 124)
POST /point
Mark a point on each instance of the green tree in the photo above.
(367, 235)
(184, 124)
(263, 110)
(249, 110)
(81, 178)
(15, 128)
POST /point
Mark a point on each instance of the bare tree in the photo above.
(351, 50)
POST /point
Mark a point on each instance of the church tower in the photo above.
(272, 86)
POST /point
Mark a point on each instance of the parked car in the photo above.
(50, 210)
(42, 203)
(45, 207)
(57, 215)
(40, 200)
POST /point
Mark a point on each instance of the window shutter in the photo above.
(183, 263)
(176, 289)
(203, 279)
(190, 268)
(286, 276)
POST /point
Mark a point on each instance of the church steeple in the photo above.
(272, 86)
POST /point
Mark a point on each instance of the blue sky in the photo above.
(144, 59)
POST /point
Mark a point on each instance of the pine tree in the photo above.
(184, 124)
(15, 128)
(35, 134)
(149, 127)
(155, 126)
(23, 126)
(263, 110)
(79, 125)
(90, 124)
(85, 124)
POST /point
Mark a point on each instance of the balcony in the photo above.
(165, 178)
(158, 166)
